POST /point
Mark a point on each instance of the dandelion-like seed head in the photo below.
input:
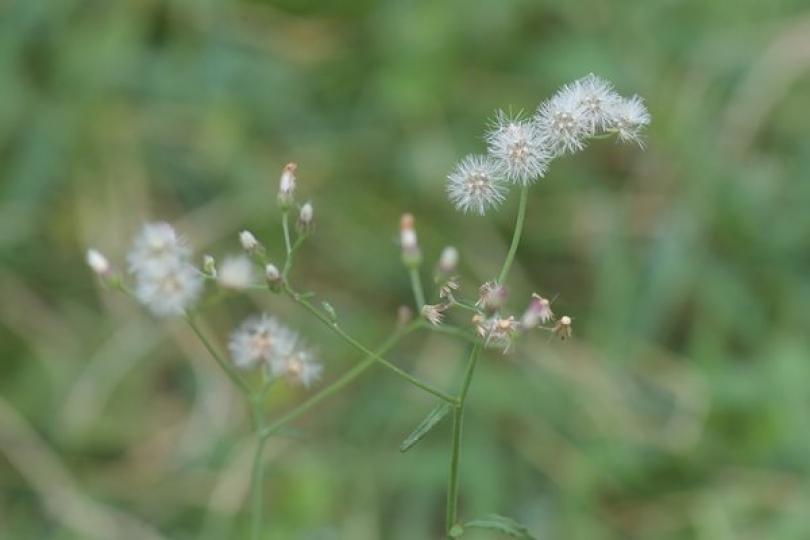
(236, 272)
(298, 366)
(563, 122)
(260, 339)
(155, 247)
(597, 99)
(169, 289)
(476, 184)
(629, 118)
(518, 145)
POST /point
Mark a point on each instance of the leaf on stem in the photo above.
(505, 525)
(434, 417)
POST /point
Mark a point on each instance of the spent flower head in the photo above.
(563, 122)
(517, 144)
(538, 312)
(476, 184)
(597, 99)
(497, 331)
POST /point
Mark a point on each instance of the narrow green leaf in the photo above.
(504, 525)
(433, 418)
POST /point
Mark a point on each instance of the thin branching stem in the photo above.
(360, 347)
(257, 472)
(458, 420)
(340, 382)
(418, 290)
(521, 217)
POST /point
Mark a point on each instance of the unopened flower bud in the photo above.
(97, 262)
(538, 312)
(248, 241)
(272, 275)
(305, 219)
(286, 186)
(411, 255)
(448, 261)
(563, 327)
(209, 266)
(491, 296)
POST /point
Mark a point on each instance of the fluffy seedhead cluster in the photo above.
(520, 148)
(162, 276)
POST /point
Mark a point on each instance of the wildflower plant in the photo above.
(161, 275)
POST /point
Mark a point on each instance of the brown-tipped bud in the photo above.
(404, 315)
(563, 328)
(491, 296)
(448, 262)
(286, 186)
(539, 312)
(273, 276)
(305, 219)
(411, 255)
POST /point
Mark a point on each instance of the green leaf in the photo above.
(433, 418)
(504, 525)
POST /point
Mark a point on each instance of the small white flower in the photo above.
(563, 122)
(272, 274)
(598, 100)
(411, 254)
(248, 241)
(298, 365)
(97, 262)
(155, 247)
(629, 117)
(169, 289)
(305, 215)
(236, 272)
(286, 185)
(519, 147)
(476, 184)
(260, 339)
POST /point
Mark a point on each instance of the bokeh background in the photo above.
(680, 410)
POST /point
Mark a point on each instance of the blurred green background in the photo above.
(679, 411)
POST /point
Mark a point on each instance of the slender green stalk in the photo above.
(521, 216)
(285, 224)
(416, 285)
(257, 473)
(242, 385)
(458, 420)
(340, 382)
(360, 347)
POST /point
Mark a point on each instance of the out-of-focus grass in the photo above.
(681, 409)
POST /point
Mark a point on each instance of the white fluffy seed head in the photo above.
(97, 262)
(260, 339)
(169, 289)
(476, 184)
(629, 117)
(562, 121)
(297, 366)
(518, 146)
(236, 272)
(597, 99)
(155, 247)
(248, 241)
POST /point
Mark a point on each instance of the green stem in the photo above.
(285, 224)
(458, 420)
(416, 285)
(242, 385)
(257, 474)
(357, 345)
(339, 383)
(510, 256)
